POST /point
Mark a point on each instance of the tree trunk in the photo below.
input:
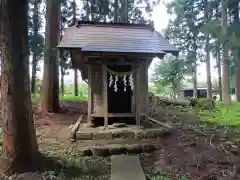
(20, 149)
(34, 72)
(225, 83)
(50, 84)
(62, 73)
(236, 52)
(237, 74)
(219, 73)
(88, 13)
(116, 10)
(125, 11)
(75, 82)
(62, 60)
(74, 6)
(194, 59)
(194, 79)
(35, 33)
(207, 51)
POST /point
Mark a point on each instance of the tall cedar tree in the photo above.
(207, 16)
(36, 4)
(236, 50)
(20, 148)
(74, 9)
(50, 84)
(226, 85)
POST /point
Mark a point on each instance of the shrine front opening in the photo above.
(119, 90)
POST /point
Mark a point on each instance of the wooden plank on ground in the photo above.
(126, 167)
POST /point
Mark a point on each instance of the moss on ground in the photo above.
(161, 175)
(228, 115)
(72, 166)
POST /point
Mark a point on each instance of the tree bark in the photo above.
(219, 69)
(225, 83)
(50, 84)
(20, 149)
(207, 51)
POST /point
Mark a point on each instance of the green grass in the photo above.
(73, 98)
(72, 166)
(36, 98)
(161, 175)
(223, 114)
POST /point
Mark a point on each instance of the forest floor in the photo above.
(205, 145)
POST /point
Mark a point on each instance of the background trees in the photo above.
(50, 83)
(36, 40)
(205, 28)
(169, 75)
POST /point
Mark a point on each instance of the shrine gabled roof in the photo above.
(115, 37)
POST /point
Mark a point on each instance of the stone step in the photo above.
(125, 167)
(116, 149)
(122, 133)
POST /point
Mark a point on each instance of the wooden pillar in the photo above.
(89, 94)
(105, 94)
(147, 64)
(146, 89)
(134, 91)
(137, 95)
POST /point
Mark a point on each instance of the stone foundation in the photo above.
(121, 133)
(117, 149)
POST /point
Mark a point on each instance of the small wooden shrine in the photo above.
(114, 59)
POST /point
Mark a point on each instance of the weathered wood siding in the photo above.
(143, 87)
(97, 82)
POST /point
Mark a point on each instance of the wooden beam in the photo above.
(89, 94)
(105, 94)
(120, 54)
(161, 124)
(118, 115)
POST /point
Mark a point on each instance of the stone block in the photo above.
(85, 152)
(84, 136)
(117, 149)
(148, 148)
(154, 133)
(139, 135)
(102, 151)
(102, 135)
(119, 125)
(124, 134)
(134, 149)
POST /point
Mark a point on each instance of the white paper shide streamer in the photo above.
(131, 82)
(126, 79)
(125, 83)
(115, 84)
(110, 80)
